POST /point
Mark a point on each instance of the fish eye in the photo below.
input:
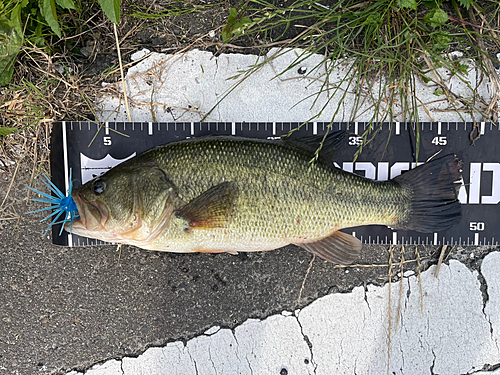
(99, 187)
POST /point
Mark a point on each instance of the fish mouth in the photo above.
(93, 215)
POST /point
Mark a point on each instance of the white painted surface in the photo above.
(451, 334)
(186, 87)
(349, 334)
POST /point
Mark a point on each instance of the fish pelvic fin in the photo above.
(433, 188)
(211, 209)
(338, 248)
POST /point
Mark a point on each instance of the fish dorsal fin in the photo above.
(338, 248)
(331, 144)
(212, 208)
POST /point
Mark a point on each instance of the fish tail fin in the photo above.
(433, 188)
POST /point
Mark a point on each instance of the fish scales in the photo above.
(282, 196)
(223, 193)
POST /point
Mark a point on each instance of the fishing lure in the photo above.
(61, 204)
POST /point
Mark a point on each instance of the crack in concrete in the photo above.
(236, 351)
(193, 360)
(121, 367)
(402, 357)
(408, 293)
(249, 366)
(248, 361)
(365, 288)
(433, 362)
(309, 344)
(211, 360)
(484, 291)
(485, 368)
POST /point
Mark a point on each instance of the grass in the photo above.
(173, 8)
(388, 46)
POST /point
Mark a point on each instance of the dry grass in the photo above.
(305, 278)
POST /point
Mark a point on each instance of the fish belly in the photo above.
(283, 198)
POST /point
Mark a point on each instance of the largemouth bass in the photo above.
(231, 194)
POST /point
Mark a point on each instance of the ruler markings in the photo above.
(66, 170)
(474, 195)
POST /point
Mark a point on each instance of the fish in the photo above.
(231, 194)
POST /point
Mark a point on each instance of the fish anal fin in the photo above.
(338, 248)
(211, 209)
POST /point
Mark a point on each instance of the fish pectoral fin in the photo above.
(339, 248)
(211, 209)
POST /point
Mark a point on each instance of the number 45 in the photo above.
(439, 141)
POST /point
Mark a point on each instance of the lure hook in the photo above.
(61, 204)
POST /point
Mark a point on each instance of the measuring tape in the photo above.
(89, 149)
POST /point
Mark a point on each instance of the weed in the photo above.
(387, 45)
(174, 8)
(37, 23)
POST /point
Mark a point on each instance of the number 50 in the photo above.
(477, 226)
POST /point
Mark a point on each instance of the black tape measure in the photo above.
(89, 149)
